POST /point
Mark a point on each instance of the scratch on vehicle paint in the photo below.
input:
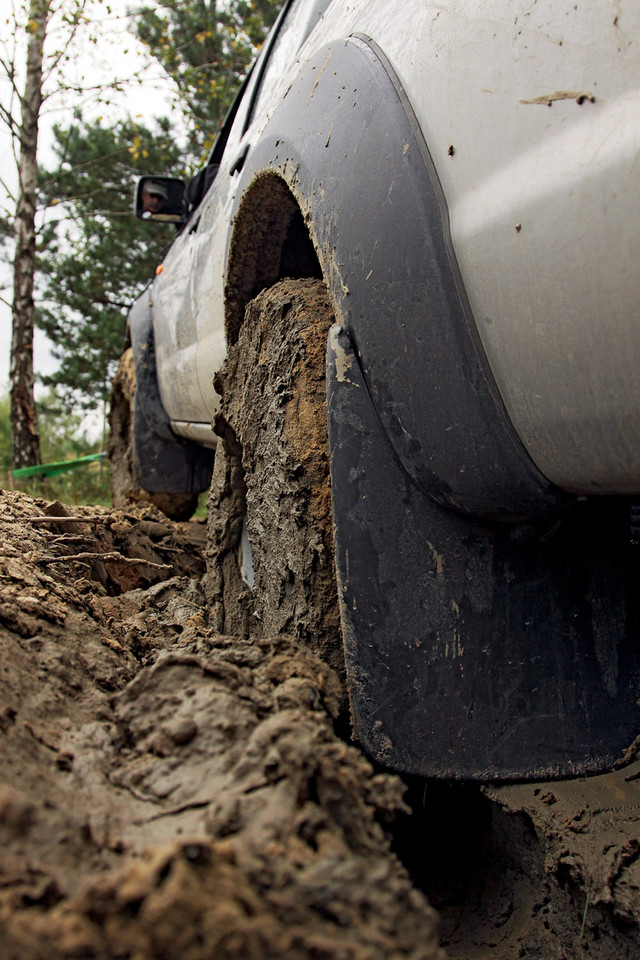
(438, 559)
(334, 272)
(344, 360)
(322, 69)
(548, 98)
(329, 136)
(456, 648)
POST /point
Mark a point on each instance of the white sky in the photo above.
(115, 55)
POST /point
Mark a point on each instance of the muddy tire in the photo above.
(125, 488)
(274, 413)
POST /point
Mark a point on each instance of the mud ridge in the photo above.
(170, 791)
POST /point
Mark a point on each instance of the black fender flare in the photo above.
(347, 144)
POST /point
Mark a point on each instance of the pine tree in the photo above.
(206, 48)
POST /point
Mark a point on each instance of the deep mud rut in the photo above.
(167, 791)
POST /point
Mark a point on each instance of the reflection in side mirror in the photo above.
(160, 199)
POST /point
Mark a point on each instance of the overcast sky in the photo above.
(117, 54)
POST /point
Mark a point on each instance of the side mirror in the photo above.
(160, 198)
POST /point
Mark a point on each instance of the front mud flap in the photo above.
(476, 650)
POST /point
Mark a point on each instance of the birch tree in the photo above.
(25, 446)
(36, 56)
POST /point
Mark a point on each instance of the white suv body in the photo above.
(530, 113)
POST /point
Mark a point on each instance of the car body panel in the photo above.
(403, 305)
(189, 292)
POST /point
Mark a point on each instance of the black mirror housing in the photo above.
(160, 199)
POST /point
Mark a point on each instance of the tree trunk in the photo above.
(24, 425)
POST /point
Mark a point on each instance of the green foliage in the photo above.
(206, 48)
(63, 436)
(94, 256)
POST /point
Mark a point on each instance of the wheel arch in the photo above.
(271, 240)
(342, 170)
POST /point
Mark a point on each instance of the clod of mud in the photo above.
(124, 482)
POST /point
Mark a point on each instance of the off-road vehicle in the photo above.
(450, 193)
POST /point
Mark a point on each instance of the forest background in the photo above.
(92, 256)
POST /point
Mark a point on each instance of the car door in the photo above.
(188, 294)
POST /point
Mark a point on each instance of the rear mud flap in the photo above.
(476, 650)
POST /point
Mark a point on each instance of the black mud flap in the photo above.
(476, 650)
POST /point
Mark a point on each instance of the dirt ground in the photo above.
(168, 791)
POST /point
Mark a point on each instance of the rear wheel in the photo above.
(274, 413)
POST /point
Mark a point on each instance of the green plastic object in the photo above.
(52, 469)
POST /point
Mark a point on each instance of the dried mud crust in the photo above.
(273, 424)
(125, 488)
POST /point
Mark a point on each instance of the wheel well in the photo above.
(271, 241)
